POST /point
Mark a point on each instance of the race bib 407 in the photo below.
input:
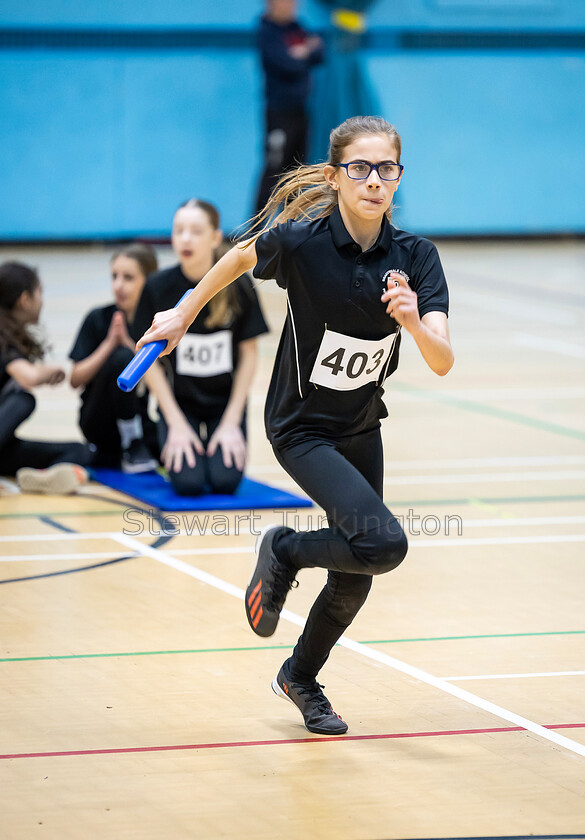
(205, 355)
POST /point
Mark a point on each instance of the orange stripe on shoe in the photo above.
(255, 606)
(80, 474)
(255, 591)
(257, 619)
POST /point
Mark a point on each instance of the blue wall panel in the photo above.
(108, 145)
(106, 142)
(129, 12)
(59, 161)
(491, 143)
(406, 13)
(191, 130)
(479, 14)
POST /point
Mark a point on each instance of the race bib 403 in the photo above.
(205, 355)
(345, 363)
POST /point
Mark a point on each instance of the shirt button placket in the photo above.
(358, 274)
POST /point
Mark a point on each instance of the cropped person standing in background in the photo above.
(288, 53)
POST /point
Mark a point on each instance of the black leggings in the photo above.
(104, 403)
(209, 475)
(363, 539)
(15, 406)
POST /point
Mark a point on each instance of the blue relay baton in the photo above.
(146, 356)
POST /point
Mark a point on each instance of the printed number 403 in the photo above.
(356, 364)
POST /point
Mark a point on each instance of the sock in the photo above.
(130, 430)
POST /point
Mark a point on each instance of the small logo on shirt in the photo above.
(386, 277)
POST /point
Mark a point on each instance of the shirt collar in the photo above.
(342, 238)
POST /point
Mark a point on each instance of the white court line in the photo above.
(104, 555)
(484, 395)
(568, 392)
(465, 463)
(440, 542)
(549, 345)
(457, 542)
(514, 522)
(363, 650)
(465, 542)
(518, 676)
(465, 478)
(393, 480)
(108, 535)
(52, 537)
(559, 475)
(30, 558)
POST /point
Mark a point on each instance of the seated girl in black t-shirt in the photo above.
(40, 466)
(202, 430)
(117, 423)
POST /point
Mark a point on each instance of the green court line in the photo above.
(282, 647)
(499, 413)
(473, 500)
(478, 636)
(144, 653)
(61, 513)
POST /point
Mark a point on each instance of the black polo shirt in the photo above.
(332, 284)
(204, 394)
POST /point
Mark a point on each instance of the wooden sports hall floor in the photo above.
(136, 703)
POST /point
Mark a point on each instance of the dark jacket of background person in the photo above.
(287, 83)
(287, 79)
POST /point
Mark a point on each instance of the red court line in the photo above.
(284, 741)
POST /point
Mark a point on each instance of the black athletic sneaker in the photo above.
(314, 706)
(269, 585)
(137, 459)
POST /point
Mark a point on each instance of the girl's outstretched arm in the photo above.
(171, 325)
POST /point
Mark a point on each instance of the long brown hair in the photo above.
(140, 252)
(303, 193)
(225, 305)
(16, 278)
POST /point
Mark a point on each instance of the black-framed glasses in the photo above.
(359, 170)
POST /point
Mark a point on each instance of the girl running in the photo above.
(39, 466)
(353, 283)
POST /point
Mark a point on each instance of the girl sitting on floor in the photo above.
(39, 466)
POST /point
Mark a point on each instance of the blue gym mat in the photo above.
(154, 490)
